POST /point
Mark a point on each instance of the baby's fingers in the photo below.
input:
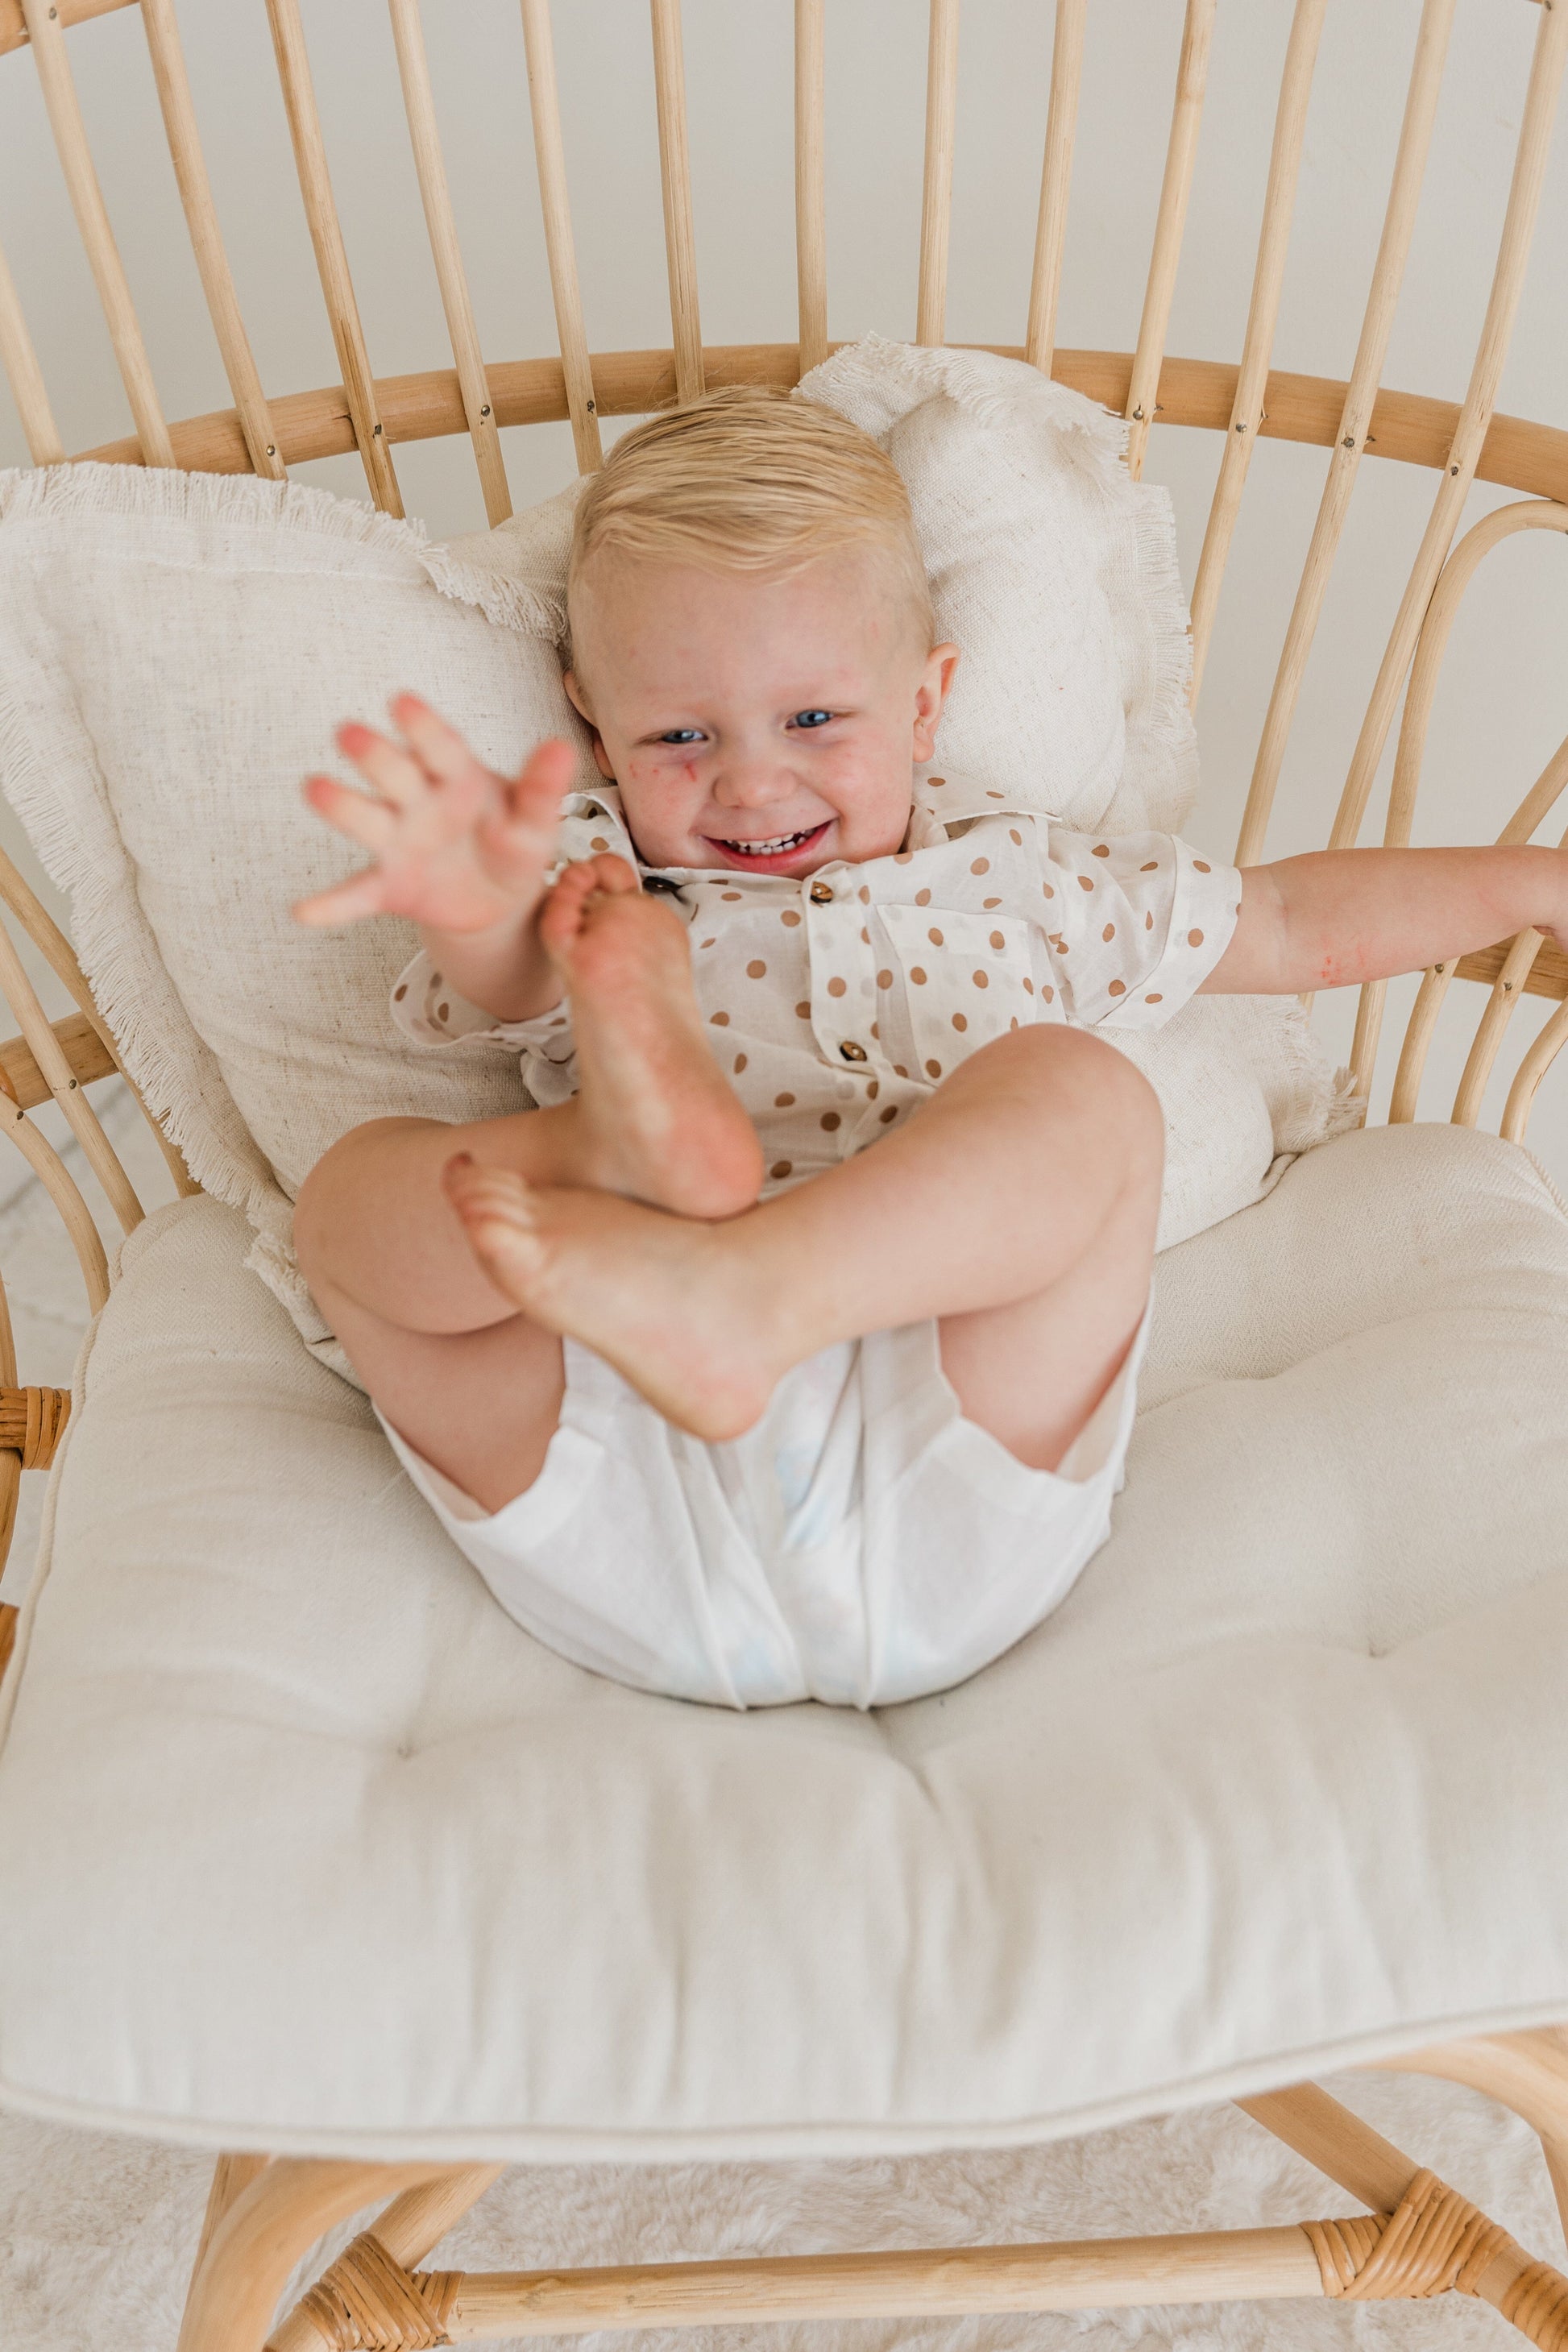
(346, 902)
(534, 796)
(396, 776)
(369, 822)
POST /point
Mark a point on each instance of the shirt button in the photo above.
(822, 894)
(852, 1051)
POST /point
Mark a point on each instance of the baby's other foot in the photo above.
(662, 1122)
(658, 1296)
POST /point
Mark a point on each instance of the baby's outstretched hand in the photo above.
(456, 848)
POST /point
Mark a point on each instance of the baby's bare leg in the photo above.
(1017, 1209)
(472, 1384)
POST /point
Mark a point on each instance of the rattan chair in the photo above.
(1419, 2238)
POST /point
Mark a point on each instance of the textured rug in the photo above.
(97, 2234)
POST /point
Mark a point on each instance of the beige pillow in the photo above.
(175, 652)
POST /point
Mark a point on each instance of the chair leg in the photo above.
(1527, 2072)
(411, 2225)
(230, 2175)
(1531, 2295)
(274, 2218)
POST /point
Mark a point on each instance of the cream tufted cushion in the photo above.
(304, 1845)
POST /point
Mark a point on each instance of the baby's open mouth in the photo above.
(779, 845)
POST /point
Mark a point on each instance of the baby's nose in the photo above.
(749, 783)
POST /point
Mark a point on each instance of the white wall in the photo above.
(1502, 704)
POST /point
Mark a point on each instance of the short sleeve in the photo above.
(1135, 924)
(432, 1014)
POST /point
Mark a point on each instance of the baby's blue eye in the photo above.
(812, 718)
(682, 735)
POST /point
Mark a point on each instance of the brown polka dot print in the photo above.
(1202, 866)
(598, 842)
(884, 978)
(936, 783)
(1048, 889)
(1156, 999)
(933, 1069)
(780, 1168)
(1148, 922)
(875, 1031)
(740, 1064)
(1152, 866)
(836, 987)
(918, 974)
(1013, 1023)
(802, 1012)
(981, 979)
(1194, 939)
(784, 1102)
(1108, 932)
(891, 1113)
(1085, 882)
(864, 895)
(902, 857)
(989, 903)
(899, 1071)
(400, 991)
(719, 1020)
(1102, 849)
(442, 1011)
(979, 865)
(935, 937)
(961, 1021)
(998, 940)
(709, 943)
(1015, 836)
(865, 936)
(730, 895)
(830, 1121)
(1048, 993)
(873, 1089)
(1028, 988)
(1118, 988)
(756, 969)
(789, 917)
(435, 979)
(922, 898)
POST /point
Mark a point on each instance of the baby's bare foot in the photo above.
(656, 1295)
(663, 1123)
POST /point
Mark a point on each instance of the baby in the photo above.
(789, 1348)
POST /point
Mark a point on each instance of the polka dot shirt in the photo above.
(837, 1005)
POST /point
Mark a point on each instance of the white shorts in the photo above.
(863, 1544)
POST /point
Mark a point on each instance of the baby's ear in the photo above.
(574, 695)
(940, 665)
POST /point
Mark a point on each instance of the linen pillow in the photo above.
(175, 652)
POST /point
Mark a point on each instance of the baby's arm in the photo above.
(458, 850)
(1340, 916)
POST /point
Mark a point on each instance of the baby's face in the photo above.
(765, 723)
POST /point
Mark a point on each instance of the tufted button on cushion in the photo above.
(303, 1843)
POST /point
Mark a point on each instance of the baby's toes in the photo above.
(613, 876)
(486, 1194)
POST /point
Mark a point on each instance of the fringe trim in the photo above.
(162, 494)
(530, 600)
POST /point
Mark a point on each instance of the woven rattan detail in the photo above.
(368, 2303)
(31, 1420)
(1435, 2242)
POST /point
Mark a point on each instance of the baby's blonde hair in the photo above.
(748, 479)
